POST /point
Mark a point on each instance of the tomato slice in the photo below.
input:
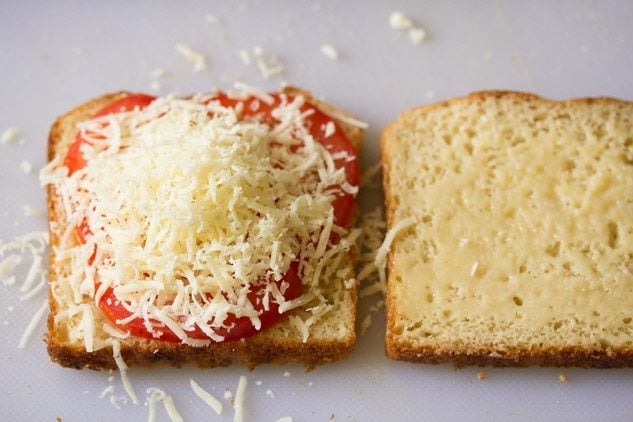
(74, 157)
(240, 327)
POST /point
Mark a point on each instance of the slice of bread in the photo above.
(522, 247)
(331, 338)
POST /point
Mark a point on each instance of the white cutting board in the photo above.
(55, 55)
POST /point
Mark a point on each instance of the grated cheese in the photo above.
(350, 120)
(170, 407)
(417, 35)
(120, 363)
(284, 419)
(240, 395)
(9, 135)
(364, 325)
(26, 166)
(473, 269)
(206, 397)
(7, 266)
(329, 51)
(32, 325)
(211, 18)
(181, 230)
(30, 211)
(398, 20)
(330, 129)
(196, 58)
(108, 390)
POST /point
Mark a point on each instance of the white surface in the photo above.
(559, 50)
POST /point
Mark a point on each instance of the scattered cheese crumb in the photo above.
(206, 397)
(481, 375)
(488, 55)
(473, 269)
(6, 323)
(120, 363)
(240, 395)
(399, 20)
(32, 325)
(108, 390)
(330, 129)
(10, 308)
(196, 58)
(562, 378)
(228, 395)
(284, 419)
(156, 85)
(417, 35)
(364, 326)
(329, 51)
(9, 135)
(26, 166)
(258, 382)
(211, 18)
(270, 394)
(245, 56)
(30, 211)
(158, 73)
(115, 400)
(429, 94)
(287, 374)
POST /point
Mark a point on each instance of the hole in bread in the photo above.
(447, 314)
(626, 320)
(522, 268)
(569, 165)
(566, 266)
(429, 297)
(469, 148)
(613, 234)
(557, 325)
(447, 139)
(517, 300)
(553, 249)
(596, 314)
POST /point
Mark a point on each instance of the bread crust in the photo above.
(258, 349)
(467, 355)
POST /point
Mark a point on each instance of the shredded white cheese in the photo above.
(26, 166)
(364, 325)
(381, 254)
(206, 397)
(120, 363)
(150, 233)
(240, 395)
(284, 419)
(398, 20)
(9, 135)
(473, 269)
(37, 317)
(196, 58)
(417, 35)
(211, 18)
(30, 211)
(154, 396)
(329, 51)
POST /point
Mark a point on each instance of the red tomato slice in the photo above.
(74, 158)
(241, 327)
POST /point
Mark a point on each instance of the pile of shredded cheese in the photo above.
(189, 205)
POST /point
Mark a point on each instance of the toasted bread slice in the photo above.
(330, 339)
(522, 247)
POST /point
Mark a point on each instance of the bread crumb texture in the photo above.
(523, 251)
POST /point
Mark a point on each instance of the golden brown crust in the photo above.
(251, 352)
(399, 349)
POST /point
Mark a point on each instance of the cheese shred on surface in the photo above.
(185, 199)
